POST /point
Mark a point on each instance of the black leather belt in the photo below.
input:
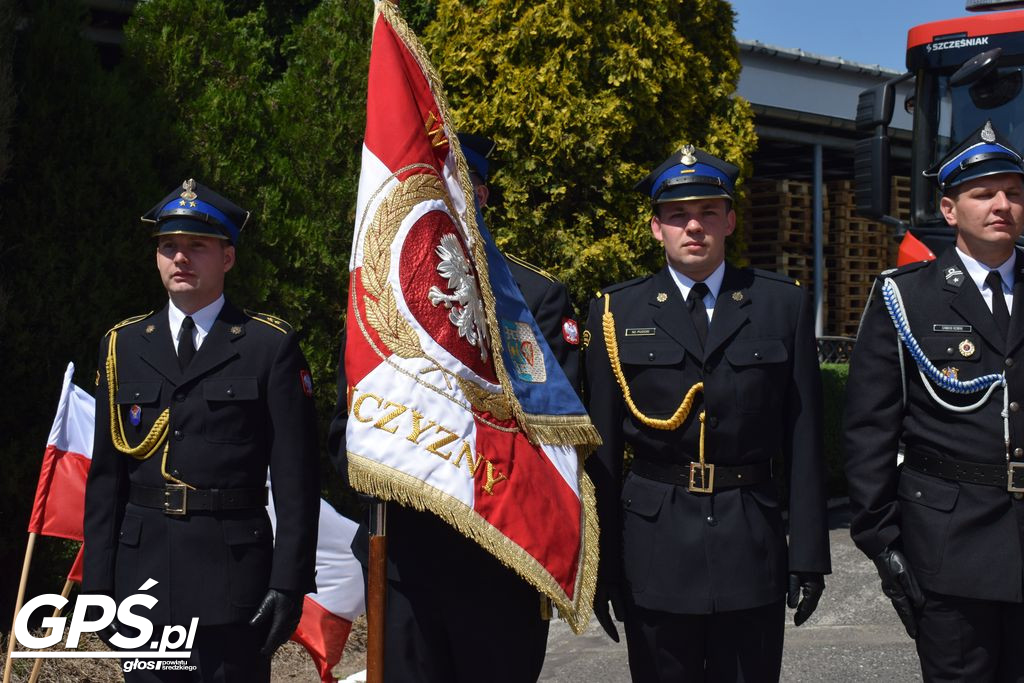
(177, 499)
(1009, 476)
(703, 478)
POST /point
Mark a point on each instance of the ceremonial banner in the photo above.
(59, 505)
(456, 404)
(328, 613)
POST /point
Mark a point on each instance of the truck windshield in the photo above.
(951, 113)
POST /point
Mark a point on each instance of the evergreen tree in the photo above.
(583, 99)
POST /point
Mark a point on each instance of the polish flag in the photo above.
(456, 404)
(328, 613)
(59, 505)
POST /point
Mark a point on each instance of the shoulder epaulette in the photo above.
(129, 321)
(621, 285)
(530, 266)
(272, 320)
(772, 275)
(904, 269)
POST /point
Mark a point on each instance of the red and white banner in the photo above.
(59, 505)
(327, 615)
(434, 422)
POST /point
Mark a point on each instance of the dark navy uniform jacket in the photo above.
(686, 552)
(239, 407)
(961, 539)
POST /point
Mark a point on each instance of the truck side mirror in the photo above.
(872, 178)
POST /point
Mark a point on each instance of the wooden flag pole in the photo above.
(17, 603)
(37, 667)
(376, 598)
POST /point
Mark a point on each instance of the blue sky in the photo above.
(867, 31)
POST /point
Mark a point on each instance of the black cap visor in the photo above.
(190, 226)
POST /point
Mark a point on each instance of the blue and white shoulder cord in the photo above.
(928, 371)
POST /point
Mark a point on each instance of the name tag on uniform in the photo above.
(952, 328)
(640, 331)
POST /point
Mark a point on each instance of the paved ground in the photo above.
(853, 636)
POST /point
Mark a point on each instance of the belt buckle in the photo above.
(169, 507)
(702, 478)
(1010, 467)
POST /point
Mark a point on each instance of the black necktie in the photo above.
(186, 348)
(999, 310)
(699, 314)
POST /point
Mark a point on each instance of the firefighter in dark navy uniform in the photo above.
(708, 372)
(938, 368)
(454, 613)
(194, 403)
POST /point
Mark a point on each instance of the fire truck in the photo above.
(966, 71)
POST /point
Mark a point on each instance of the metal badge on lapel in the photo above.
(150, 329)
(967, 348)
(236, 329)
(951, 372)
(662, 297)
(135, 415)
(954, 276)
(737, 296)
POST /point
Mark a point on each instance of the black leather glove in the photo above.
(279, 613)
(805, 589)
(900, 586)
(609, 592)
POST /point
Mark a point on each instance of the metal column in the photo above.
(819, 250)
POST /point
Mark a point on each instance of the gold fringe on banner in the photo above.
(390, 484)
(564, 430)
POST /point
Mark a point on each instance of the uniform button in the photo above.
(179, 397)
(137, 394)
(1014, 406)
(713, 421)
(1018, 452)
(1009, 362)
(650, 356)
(712, 521)
(917, 494)
(176, 473)
(629, 501)
(231, 392)
(178, 434)
(949, 350)
(757, 355)
(256, 533)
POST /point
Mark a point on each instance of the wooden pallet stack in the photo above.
(779, 224)
(859, 249)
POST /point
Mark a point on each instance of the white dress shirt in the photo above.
(713, 281)
(203, 318)
(979, 271)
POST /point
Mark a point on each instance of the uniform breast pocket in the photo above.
(139, 403)
(654, 372)
(758, 366)
(952, 349)
(234, 411)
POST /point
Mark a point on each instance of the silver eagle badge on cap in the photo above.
(987, 134)
(189, 190)
(688, 158)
